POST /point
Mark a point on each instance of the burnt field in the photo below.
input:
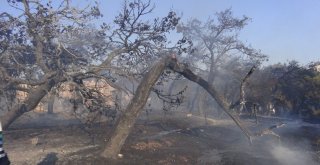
(172, 139)
(159, 82)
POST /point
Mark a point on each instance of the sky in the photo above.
(282, 29)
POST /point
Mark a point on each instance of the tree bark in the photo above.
(29, 104)
(126, 122)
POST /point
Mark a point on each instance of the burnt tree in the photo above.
(128, 118)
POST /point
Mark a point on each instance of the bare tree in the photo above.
(33, 58)
(217, 40)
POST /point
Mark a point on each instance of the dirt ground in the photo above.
(174, 139)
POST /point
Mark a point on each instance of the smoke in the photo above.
(296, 146)
(287, 156)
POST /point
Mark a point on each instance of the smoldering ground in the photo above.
(299, 144)
(157, 137)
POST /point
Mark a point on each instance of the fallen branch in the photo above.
(269, 131)
(187, 73)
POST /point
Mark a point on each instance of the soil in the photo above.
(175, 139)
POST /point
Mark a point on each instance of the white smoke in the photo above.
(288, 156)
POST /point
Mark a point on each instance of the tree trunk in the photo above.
(126, 121)
(193, 100)
(203, 98)
(201, 103)
(31, 102)
(241, 101)
(51, 98)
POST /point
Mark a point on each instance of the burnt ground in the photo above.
(175, 139)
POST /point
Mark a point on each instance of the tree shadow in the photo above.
(50, 159)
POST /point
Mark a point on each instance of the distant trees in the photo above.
(217, 44)
(299, 89)
(290, 88)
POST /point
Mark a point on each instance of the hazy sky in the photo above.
(282, 29)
